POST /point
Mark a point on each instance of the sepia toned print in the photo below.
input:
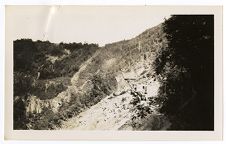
(159, 77)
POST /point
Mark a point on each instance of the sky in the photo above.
(91, 24)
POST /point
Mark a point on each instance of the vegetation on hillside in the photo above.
(35, 73)
(96, 80)
(185, 69)
(179, 53)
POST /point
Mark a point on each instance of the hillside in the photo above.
(42, 70)
(159, 80)
(72, 78)
(130, 62)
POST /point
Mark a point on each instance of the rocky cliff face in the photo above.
(35, 105)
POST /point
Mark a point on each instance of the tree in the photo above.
(24, 52)
(187, 66)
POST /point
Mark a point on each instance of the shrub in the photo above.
(19, 115)
(45, 120)
(51, 91)
(22, 83)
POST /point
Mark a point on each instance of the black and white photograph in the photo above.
(112, 68)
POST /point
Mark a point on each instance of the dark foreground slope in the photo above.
(186, 67)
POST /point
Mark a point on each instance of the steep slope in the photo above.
(130, 64)
(120, 113)
(161, 79)
(119, 74)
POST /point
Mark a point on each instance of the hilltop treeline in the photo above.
(185, 69)
(30, 57)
